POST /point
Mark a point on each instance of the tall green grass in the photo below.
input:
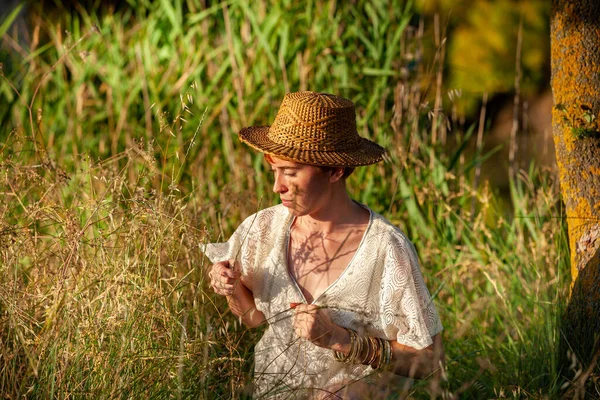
(118, 156)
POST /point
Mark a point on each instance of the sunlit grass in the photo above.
(135, 163)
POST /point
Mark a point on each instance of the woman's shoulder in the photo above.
(267, 218)
(393, 245)
(382, 227)
(278, 211)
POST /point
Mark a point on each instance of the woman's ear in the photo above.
(336, 174)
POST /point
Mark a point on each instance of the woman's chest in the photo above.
(315, 264)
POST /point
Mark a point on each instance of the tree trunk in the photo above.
(575, 47)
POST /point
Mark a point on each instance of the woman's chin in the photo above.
(293, 209)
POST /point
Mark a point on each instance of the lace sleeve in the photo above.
(241, 246)
(251, 242)
(407, 309)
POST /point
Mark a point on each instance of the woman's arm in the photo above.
(419, 364)
(313, 323)
(241, 303)
(406, 361)
(228, 281)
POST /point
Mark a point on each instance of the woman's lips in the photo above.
(286, 203)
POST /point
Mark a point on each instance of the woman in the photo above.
(338, 286)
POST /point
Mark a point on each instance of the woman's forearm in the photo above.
(419, 364)
(406, 361)
(241, 303)
(313, 323)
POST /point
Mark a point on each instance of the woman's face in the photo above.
(303, 189)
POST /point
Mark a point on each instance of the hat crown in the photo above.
(315, 121)
(316, 129)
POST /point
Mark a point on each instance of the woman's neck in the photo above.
(339, 213)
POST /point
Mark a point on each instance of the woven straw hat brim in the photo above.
(368, 152)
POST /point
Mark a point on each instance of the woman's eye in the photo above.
(283, 173)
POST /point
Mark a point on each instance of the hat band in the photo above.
(311, 140)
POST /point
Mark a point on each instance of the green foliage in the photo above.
(483, 53)
(482, 46)
(581, 120)
(10, 19)
(131, 162)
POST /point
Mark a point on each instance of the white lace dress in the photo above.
(380, 293)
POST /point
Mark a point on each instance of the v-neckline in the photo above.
(287, 254)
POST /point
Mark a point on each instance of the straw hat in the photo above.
(314, 128)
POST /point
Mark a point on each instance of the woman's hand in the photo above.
(313, 323)
(224, 278)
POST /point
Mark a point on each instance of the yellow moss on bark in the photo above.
(575, 52)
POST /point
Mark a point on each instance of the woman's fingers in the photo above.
(223, 288)
(223, 278)
(223, 282)
(306, 308)
(313, 323)
(304, 319)
(224, 268)
(224, 291)
(229, 274)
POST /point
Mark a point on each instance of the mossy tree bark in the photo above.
(575, 47)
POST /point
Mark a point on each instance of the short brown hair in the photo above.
(347, 170)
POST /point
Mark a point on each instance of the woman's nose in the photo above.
(278, 186)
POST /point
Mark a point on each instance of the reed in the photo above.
(118, 157)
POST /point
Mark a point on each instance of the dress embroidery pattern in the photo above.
(380, 293)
